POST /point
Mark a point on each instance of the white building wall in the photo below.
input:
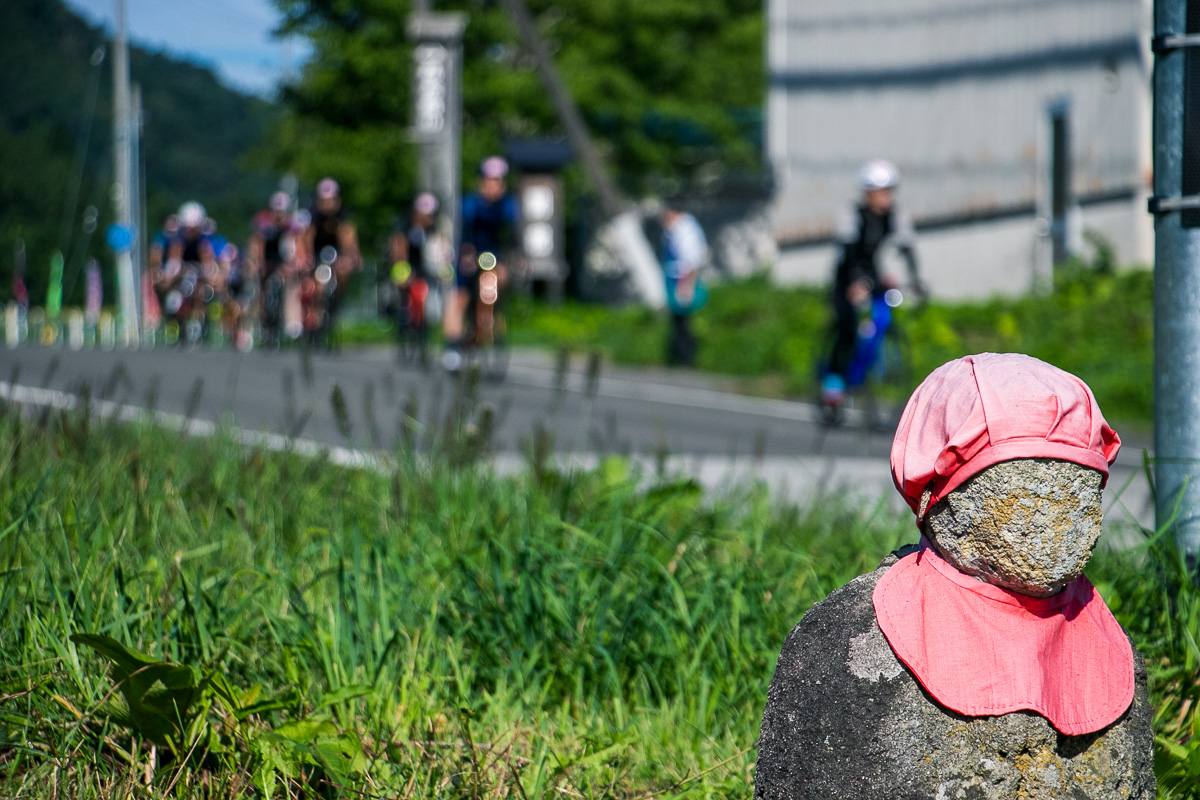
(957, 92)
(1003, 257)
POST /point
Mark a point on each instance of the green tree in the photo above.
(671, 88)
(196, 135)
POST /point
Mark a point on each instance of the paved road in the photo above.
(284, 392)
(687, 420)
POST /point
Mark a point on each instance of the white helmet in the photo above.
(192, 215)
(878, 174)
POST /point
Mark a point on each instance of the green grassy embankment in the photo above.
(1095, 324)
(436, 632)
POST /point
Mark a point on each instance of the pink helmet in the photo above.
(493, 167)
(328, 188)
(426, 203)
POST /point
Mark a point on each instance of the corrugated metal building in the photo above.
(967, 97)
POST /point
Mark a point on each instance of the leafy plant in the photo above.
(161, 697)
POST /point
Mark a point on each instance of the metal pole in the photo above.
(568, 112)
(627, 235)
(137, 215)
(1176, 282)
(1060, 179)
(122, 169)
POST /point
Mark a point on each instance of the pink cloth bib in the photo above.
(982, 650)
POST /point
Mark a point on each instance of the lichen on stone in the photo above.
(1029, 525)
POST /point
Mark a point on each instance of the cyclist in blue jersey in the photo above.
(489, 225)
(195, 273)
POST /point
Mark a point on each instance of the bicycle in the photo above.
(319, 300)
(489, 329)
(412, 326)
(485, 340)
(880, 365)
(272, 296)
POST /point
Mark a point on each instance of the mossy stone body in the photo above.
(845, 719)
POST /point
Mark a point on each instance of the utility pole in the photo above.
(123, 186)
(137, 206)
(635, 251)
(1176, 209)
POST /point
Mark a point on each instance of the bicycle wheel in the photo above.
(413, 346)
(894, 368)
(829, 403)
(889, 381)
(493, 354)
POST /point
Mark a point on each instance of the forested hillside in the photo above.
(56, 134)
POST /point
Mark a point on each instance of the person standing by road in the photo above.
(684, 253)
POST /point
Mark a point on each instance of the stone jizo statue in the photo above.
(979, 663)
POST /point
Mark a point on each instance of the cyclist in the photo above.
(272, 251)
(489, 222)
(414, 249)
(190, 244)
(194, 272)
(156, 260)
(414, 240)
(160, 242)
(330, 239)
(862, 231)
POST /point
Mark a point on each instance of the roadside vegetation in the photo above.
(191, 618)
(1096, 322)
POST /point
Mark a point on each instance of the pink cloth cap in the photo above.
(980, 410)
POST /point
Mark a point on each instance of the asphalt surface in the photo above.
(654, 414)
(686, 423)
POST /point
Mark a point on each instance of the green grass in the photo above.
(434, 632)
(1095, 323)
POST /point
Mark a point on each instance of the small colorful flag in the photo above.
(55, 287)
(94, 293)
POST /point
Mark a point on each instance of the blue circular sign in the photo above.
(119, 237)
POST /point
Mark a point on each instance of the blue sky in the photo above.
(232, 36)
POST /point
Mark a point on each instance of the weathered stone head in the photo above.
(1029, 525)
(981, 662)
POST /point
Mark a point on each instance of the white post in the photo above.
(75, 329)
(123, 186)
(12, 325)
